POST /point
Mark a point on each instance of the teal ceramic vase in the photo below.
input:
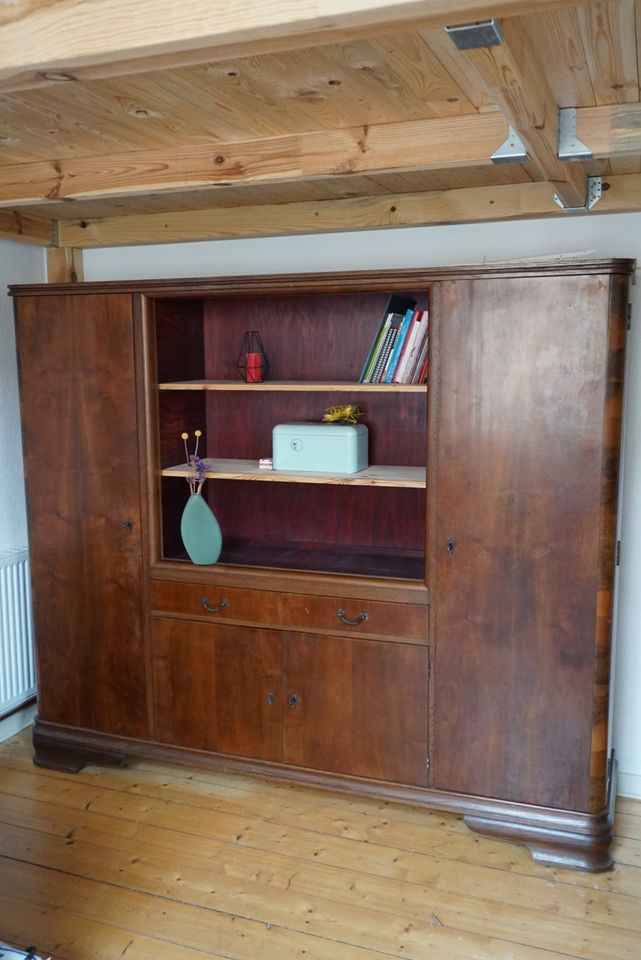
(200, 531)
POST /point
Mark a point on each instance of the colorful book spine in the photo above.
(390, 368)
(409, 351)
(387, 347)
(397, 304)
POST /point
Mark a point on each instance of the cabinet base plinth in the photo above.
(550, 847)
(557, 838)
(55, 753)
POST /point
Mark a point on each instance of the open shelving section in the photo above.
(370, 523)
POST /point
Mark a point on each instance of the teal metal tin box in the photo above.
(320, 447)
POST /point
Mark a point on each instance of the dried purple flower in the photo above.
(197, 468)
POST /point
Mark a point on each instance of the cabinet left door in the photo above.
(80, 435)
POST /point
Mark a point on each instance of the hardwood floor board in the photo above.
(269, 836)
(240, 938)
(401, 933)
(418, 870)
(471, 899)
(627, 825)
(206, 787)
(119, 851)
(629, 806)
(68, 937)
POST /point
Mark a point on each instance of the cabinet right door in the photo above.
(355, 706)
(526, 385)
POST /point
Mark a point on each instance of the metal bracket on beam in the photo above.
(592, 197)
(471, 36)
(511, 150)
(569, 146)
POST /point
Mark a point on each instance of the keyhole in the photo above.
(451, 546)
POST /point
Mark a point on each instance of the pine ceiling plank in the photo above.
(609, 37)
(43, 37)
(516, 82)
(420, 144)
(557, 41)
(17, 226)
(462, 73)
(505, 202)
(405, 66)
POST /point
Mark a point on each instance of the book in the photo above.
(397, 304)
(409, 351)
(391, 335)
(421, 356)
(395, 355)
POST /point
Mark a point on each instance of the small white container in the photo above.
(320, 447)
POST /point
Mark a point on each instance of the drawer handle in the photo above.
(352, 623)
(205, 605)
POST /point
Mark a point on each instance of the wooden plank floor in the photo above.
(159, 862)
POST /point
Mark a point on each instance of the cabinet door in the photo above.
(80, 435)
(521, 375)
(217, 687)
(355, 706)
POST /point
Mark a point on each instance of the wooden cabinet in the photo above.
(82, 468)
(435, 629)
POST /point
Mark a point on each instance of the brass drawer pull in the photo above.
(205, 605)
(352, 623)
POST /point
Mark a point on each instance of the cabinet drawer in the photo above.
(336, 615)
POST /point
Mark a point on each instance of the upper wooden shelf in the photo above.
(376, 476)
(294, 385)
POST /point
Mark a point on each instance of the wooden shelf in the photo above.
(376, 476)
(295, 386)
(320, 558)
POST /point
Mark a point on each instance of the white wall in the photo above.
(605, 236)
(591, 236)
(19, 263)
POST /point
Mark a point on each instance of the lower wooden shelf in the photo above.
(374, 476)
(359, 561)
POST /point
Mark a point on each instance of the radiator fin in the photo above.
(17, 669)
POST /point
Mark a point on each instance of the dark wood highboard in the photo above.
(478, 681)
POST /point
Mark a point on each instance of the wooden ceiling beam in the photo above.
(613, 130)
(470, 205)
(399, 147)
(15, 226)
(517, 84)
(610, 131)
(86, 39)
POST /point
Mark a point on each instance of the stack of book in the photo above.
(399, 351)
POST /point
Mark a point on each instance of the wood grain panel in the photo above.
(360, 707)
(386, 621)
(521, 395)
(612, 416)
(81, 455)
(212, 686)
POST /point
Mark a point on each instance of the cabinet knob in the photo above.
(271, 697)
(293, 700)
(352, 623)
(450, 546)
(128, 525)
(204, 602)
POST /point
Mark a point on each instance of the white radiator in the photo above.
(17, 671)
